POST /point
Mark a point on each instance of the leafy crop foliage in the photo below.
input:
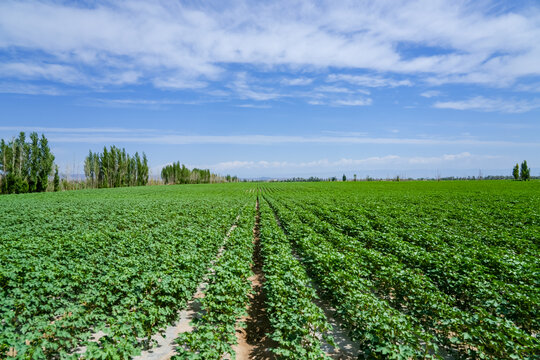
(297, 322)
(122, 261)
(449, 267)
(414, 270)
(225, 298)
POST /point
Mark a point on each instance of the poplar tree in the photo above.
(114, 168)
(46, 164)
(56, 181)
(177, 173)
(145, 171)
(25, 166)
(525, 173)
(88, 169)
(34, 162)
(515, 172)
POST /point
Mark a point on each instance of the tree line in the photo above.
(177, 173)
(524, 173)
(26, 166)
(115, 168)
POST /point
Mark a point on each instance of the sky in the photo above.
(278, 88)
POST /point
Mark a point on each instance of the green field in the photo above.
(412, 269)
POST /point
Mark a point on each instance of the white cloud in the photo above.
(248, 91)
(29, 89)
(430, 93)
(167, 137)
(61, 130)
(62, 73)
(178, 83)
(333, 98)
(481, 103)
(531, 87)
(141, 102)
(368, 81)
(184, 45)
(66, 74)
(297, 81)
(346, 163)
(254, 106)
(333, 89)
(357, 102)
(436, 159)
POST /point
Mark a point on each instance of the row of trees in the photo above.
(524, 173)
(177, 173)
(115, 168)
(26, 166)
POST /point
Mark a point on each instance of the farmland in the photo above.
(406, 269)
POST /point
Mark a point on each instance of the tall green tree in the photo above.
(25, 167)
(515, 172)
(144, 171)
(114, 167)
(46, 164)
(89, 169)
(525, 172)
(35, 155)
(56, 181)
(177, 173)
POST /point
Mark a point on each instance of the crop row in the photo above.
(297, 324)
(476, 333)
(455, 272)
(381, 330)
(225, 298)
(81, 263)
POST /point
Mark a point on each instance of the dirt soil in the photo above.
(253, 343)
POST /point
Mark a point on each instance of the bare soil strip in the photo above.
(345, 348)
(253, 343)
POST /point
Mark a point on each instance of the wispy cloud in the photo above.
(347, 163)
(254, 106)
(340, 102)
(186, 45)
(430, 93)
(481, 103)
(245, 90)
(84, 130)
(256, 139)
(356, 102)
(151, 103)
(297, 81)
(334, 89)
(168, 137)
(29, 89)
(55, 72)
(369, 81)
(178, 83)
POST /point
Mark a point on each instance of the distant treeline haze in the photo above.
(177, 173)
(25, 166)
(115, 168)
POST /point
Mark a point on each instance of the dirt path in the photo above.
(252, 340)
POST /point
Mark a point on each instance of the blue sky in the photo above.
(286, 88)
